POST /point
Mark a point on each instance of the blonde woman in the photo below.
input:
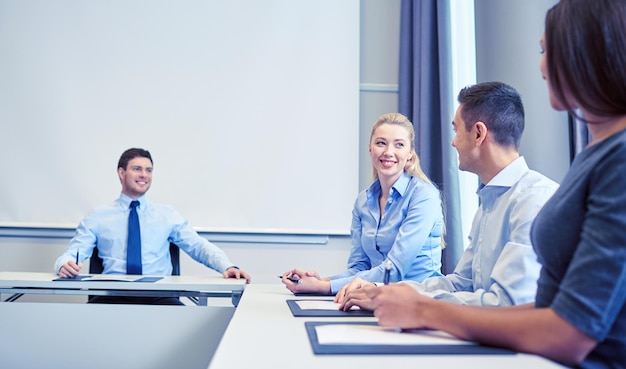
(397, 223)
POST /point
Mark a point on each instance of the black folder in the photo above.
(379, 349)
(296, 311)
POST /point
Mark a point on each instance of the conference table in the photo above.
(79, 335)
(259, 331)
(196, 288)
(263, 333)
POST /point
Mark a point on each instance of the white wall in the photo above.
(507, 49)
(233, 99)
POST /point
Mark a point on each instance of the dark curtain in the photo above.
(427, 99)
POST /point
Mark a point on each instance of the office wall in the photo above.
(507, 49)
(379, 53)
(243, 105)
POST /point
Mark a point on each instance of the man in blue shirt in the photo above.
(499, 266)
(107, 228)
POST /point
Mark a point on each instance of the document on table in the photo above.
(110, 278)
(320, 305)
(346, 334)
(113, 278)
(328, 308)
(370, 338)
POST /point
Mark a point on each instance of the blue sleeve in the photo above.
(82, 243)
(196, 246)
(358, 259)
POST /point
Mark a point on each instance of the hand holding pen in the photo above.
(71, 268)
(294, 280)
(300, 281)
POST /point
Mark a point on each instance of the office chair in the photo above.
(95, 262)
(96, 267)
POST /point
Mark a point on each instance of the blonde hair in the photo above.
(412, 166)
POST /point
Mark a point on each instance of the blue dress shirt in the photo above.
(408, 234)
(499, 267)
(106, 227)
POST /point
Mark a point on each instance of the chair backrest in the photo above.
(95, 262)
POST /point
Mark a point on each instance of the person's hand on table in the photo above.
(237, 273)
(356, 283)
(358, 297)
(398, 305)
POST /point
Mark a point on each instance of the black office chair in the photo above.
(95, 262)
(96, 267)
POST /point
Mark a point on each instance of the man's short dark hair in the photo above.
(130, 154)
(499, 106)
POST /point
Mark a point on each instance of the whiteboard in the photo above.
(249, 109)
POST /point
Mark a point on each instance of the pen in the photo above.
(294, 280)
(77, 253)
(387, 271)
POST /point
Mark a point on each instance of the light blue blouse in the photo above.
(106, 227)
(408, 234)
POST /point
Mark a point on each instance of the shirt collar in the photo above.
(400, 186)
(125, 201)
(501, 183)
(512, 173)
(402, 183)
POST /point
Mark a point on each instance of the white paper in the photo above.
(349, 334)
(113, 278)
(320, 305)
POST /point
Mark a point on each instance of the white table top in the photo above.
(265, 334)
(177, 283)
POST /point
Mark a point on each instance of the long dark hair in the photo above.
(586, 55)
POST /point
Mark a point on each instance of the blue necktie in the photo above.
(133, 251)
